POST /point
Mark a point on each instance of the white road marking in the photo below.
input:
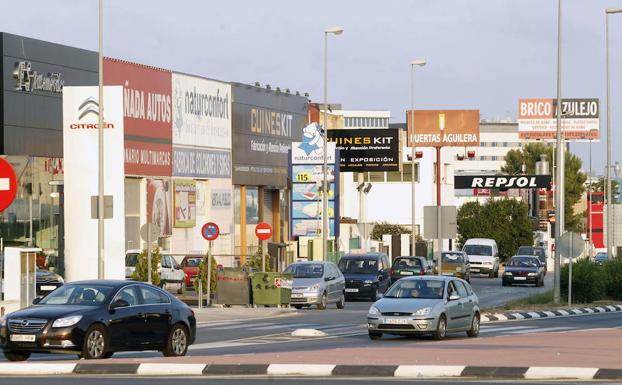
(533, 314)
(300, 369)
(506, 328)
(281, 326)
(540, 373)
(416, 371)
(542, 330)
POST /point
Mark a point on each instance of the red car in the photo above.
(190, 265)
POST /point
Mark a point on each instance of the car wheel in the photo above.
(95, 343)
(17, 356)
(297, 307)
(322, 304)
(182, 287)
(497, 273)
(342, 302)
(491, 274)
(177, 344)
(441, 329)
(375, 336)
(474, 330)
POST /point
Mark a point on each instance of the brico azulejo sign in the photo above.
(502, 182)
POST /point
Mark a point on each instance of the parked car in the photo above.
(367, 274)
(522, 269)
(455, 264)
(483, 255)
(317, 283)
(539, 252)
(425, 305)
(47, 281)
(601, 257)
(408, 266)
(190, 266)
(97, 318)
(172, 276)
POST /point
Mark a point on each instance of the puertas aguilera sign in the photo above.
(537, 119)
(442, 128)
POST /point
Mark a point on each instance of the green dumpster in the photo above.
(233, 286)
(272, 288)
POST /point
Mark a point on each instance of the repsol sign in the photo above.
(502, 182)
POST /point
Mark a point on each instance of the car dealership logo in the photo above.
(26, 79)
(89, 106)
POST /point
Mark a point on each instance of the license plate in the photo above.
(352, 290)
(296, 295)
(406, 273)
(396, 321)
(450, 274)
(474, 270)
(520, 278)
(48, 288)
(23, 337)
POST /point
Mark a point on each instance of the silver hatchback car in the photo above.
(425, 305)
(317, 283)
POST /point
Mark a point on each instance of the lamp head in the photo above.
(418, 62)
(334, 30)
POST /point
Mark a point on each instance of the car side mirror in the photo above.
(119, 303)
(36, 300)
(454, 297)
(326, 279)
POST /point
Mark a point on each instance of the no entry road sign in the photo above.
(210, 231)
(263, 231)
(8, 184)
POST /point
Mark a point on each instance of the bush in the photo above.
(589, 282)
(140, 273)
(202, 275)
(613, 269)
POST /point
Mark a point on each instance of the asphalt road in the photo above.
(257, 381)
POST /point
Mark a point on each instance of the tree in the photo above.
(601, 186)
(202, 275)
(140, 272)
(574, 178)
(381, 228)
(504, 220)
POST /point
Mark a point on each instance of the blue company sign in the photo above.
(210, 231)
(200, 163)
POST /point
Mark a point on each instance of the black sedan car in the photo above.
(96, 318)
(523, 269)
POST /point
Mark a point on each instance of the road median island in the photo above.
(211, 315)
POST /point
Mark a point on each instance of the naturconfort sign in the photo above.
(80, 143)
(537, 119)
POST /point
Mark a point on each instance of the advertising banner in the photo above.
(442, 128)
(367, 150)
(185, 203)
(265, 123)
(159, 204)
(201, 163)
(537, 119)
(80, 165)
(502, 182)
(201, 112)
(148, 116)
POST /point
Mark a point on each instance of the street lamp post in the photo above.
(559, 186)
(100, 131)
(325, 216)
(609, 200)
(413, 64)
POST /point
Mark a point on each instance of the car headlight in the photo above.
(66, 321)
(507, 273)
(368, 282)
(423, 311)
(315, 287)
(374, 310)
(532, 274)
(458, 268)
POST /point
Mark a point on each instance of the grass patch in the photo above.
(534, 299)
(544, 301)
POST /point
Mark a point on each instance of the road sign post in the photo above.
(149, 232)
(571, 245)
(210, 232)
(263, 231)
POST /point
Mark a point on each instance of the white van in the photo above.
(171, 274)
(483, 256)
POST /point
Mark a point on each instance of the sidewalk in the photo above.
(210, 315)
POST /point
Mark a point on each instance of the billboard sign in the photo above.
(159, 204)
(442, 128)
(367, 150)
(185, 203)
(502, 182)
(537, 119)
(148, 116)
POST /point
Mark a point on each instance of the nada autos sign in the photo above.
(502, 182)
(442, 128)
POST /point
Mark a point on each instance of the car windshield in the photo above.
(192, 262)
(423, 289)
(528, 250)
(131, 260)
(478, 250)
(358, 266)
(407, 264)
(88, 295)
(453, 258)
(522, 262)
(306, 270)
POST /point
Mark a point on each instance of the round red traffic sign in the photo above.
(210, 231)
(8, 184)
(263, 231)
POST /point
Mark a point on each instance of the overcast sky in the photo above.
(482, 54)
